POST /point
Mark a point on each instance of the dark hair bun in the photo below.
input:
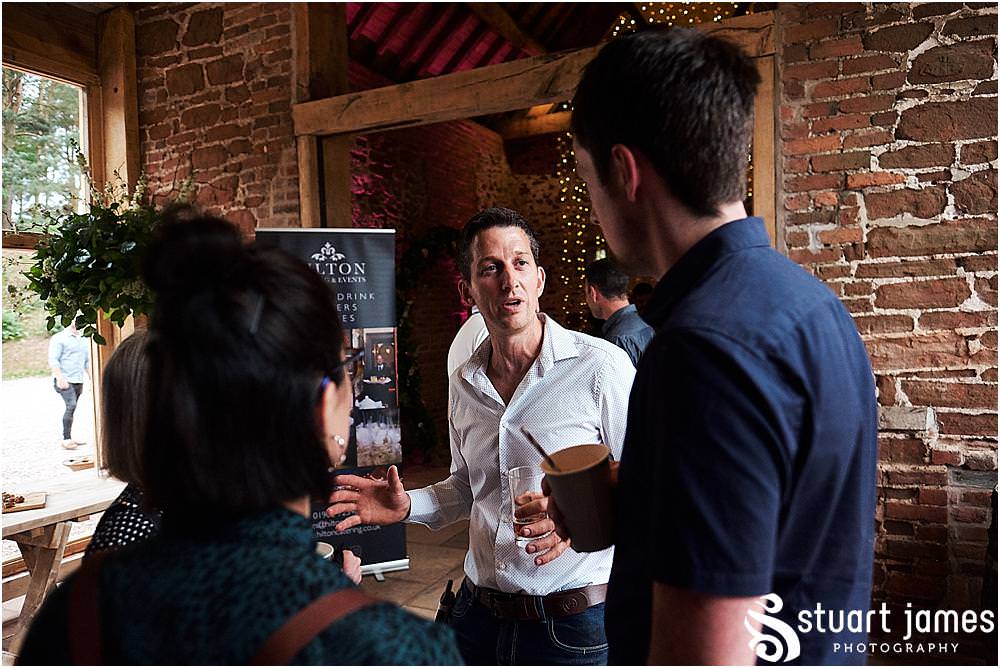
(190, 255)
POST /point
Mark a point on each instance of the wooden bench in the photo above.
(41, 535)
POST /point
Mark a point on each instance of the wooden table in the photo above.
(41, 534)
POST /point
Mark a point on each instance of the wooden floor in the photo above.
(435, 557)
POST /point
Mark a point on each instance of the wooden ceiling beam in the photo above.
(510, 86)
(486, 90)
(496, 17)
(530, 127)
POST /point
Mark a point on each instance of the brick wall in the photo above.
(214, 85)
(889, 195)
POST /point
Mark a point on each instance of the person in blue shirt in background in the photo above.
(69, 359)
(606, 289)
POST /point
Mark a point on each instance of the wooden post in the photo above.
(320, 44)
(764, 175)
(118, 118)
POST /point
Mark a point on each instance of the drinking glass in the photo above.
(524, 479)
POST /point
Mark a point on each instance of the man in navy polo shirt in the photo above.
(749, 462)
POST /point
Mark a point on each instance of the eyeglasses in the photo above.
(347, 363)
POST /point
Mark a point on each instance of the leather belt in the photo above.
(527, 608)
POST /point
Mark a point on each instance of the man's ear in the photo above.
(541, 281)
(465, 290)
(625, 170)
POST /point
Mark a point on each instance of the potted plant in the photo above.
(88, 265)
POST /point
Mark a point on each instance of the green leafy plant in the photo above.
(90, 262)
(12, 327)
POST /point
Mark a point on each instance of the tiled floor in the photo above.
(435, 557)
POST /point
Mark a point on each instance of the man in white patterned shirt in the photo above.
(564, 387)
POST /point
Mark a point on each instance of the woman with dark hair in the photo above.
(124, 407)
(249, 408)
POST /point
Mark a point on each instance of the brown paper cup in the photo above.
(582, 490)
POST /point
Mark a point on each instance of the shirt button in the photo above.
(501, 565)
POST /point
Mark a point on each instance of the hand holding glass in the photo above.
(525, 486)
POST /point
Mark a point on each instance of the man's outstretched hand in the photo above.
(369, 501)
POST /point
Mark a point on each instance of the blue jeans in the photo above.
(576, 640)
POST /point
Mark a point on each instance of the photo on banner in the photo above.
(360, 267)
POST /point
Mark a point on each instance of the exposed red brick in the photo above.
(919, 351)
(806, 256)
(888, 81)
(906, 268)
(156, 37)
(870, 103)
(796, 165)
(203, 27)
(984, 424)
(867, 179)
(983, 460)
(825, 198)
(956, 62)
(925, 203)
(845, 46)
(886, 119)
(979, 152)
(841, 122)
(955, 320)
(935, 177)
(902, 451)
(812, 30)
(908, 511)
(797, 202)
(935, 9)
(883, 324)
(863, 140)
(848, 216)
(986, 88)
(934, 293)
(201, 116)
(841, 87)
(946, 456)
(973, 26)
(840, 235)
(813, 145)
(815, 182)
(977, 193)
(841, 161)
(954, 394)
(872, 63)
(225, 70)
(819, 109)
(898, 38)
(185, 80)
(986, 288)
(949, 121)
(933, 497)
(964, 236)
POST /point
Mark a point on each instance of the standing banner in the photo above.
(360, 266)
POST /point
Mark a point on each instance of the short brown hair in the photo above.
(682, 98)
(124, 408)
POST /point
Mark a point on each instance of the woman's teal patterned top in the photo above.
(213, 595)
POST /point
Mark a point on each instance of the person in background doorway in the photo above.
(606, 285)
(69, 359)
(640, 295)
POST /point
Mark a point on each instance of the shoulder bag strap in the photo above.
(85, 615)
(285, 643)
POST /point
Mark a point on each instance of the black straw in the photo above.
(541, 450)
